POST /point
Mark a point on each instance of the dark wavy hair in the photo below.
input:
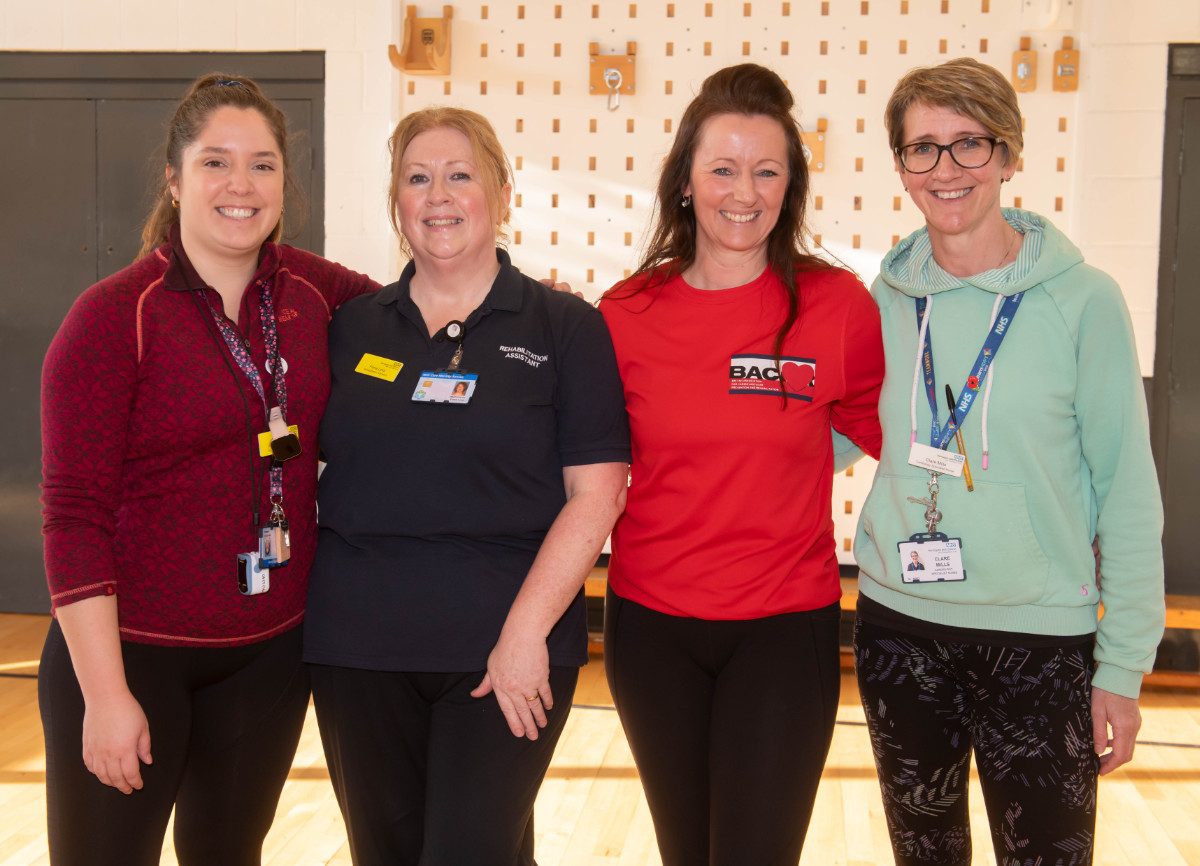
(207, 94)
(751, 90)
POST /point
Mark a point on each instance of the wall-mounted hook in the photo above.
(612, 74)
(814, 145)
(425, 49)
(612, 80)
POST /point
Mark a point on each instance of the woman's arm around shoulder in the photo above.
(856, 413)
(334, 282)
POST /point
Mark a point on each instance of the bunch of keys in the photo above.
(274, 540)
(932, 516)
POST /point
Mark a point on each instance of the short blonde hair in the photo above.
(966, 87)
(494, 169)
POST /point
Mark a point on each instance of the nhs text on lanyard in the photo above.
(940, 436)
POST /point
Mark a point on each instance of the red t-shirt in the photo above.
(728, 515)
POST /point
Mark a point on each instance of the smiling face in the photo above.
(229, 187)
(954, 200)
(442, 201)
(738, 181)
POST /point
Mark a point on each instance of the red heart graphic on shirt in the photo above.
(799, 377)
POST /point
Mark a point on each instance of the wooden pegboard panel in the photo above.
(524, 65)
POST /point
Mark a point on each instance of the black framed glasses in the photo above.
(971, 152)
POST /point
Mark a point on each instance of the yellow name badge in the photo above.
(380, 368)
(264, 440)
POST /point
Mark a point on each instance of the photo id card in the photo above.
(445, 387)
(936, 460)
(931, 558)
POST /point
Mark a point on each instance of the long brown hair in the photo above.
(206, 95)
(751, 90)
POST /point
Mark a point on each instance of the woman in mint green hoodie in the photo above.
(993, 646)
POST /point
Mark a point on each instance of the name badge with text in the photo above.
(936, 460)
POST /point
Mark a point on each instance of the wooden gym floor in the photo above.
(591, 810)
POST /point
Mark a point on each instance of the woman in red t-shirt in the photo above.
(738, 350)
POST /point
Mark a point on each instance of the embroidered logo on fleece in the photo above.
(757, 374)
(522, 354)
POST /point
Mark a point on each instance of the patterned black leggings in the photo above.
(1026, 713)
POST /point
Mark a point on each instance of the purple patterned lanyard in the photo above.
(239, 348)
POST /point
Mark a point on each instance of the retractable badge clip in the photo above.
(284, 444)
(455, 332)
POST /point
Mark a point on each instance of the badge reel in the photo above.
(932, 556)
(449, 385)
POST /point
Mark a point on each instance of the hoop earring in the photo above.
(687, 201)
(175, 203)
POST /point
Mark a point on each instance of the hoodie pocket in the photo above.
(1002, 557)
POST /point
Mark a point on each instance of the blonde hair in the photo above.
(206, 95)
(966, 87)
(494, 169)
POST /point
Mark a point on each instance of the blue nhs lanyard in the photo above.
(939, 436)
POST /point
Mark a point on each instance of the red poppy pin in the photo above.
(973, 383)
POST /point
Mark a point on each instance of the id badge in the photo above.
(274, 544)
(445, 387)
(931, 557)
(253, 577)
(936, 460)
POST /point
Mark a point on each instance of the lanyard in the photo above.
(239, 349)
(939, 437)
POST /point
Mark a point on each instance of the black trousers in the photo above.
(427, 775)
(224, 724)
(729, 723)
(1026, 714)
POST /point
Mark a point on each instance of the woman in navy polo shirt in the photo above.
(477, 452)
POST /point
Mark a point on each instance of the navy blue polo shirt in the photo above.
(431, 514)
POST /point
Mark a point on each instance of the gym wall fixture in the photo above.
(612, 75)
(425, 47)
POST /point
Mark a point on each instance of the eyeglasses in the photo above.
(969, 152)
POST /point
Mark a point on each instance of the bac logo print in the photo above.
(757, 374)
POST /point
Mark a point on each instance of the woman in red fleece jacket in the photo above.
(737, 351)
(167, 398)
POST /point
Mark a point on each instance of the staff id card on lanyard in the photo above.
(932, 556)
(452, 384)
(280, 441)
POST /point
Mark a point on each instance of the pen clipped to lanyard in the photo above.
(959, 440)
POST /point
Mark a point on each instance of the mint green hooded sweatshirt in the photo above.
(1068, 455)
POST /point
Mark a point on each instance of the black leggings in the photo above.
(224, 724)
(1027, 715)
(729, 723)
(427, 775)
